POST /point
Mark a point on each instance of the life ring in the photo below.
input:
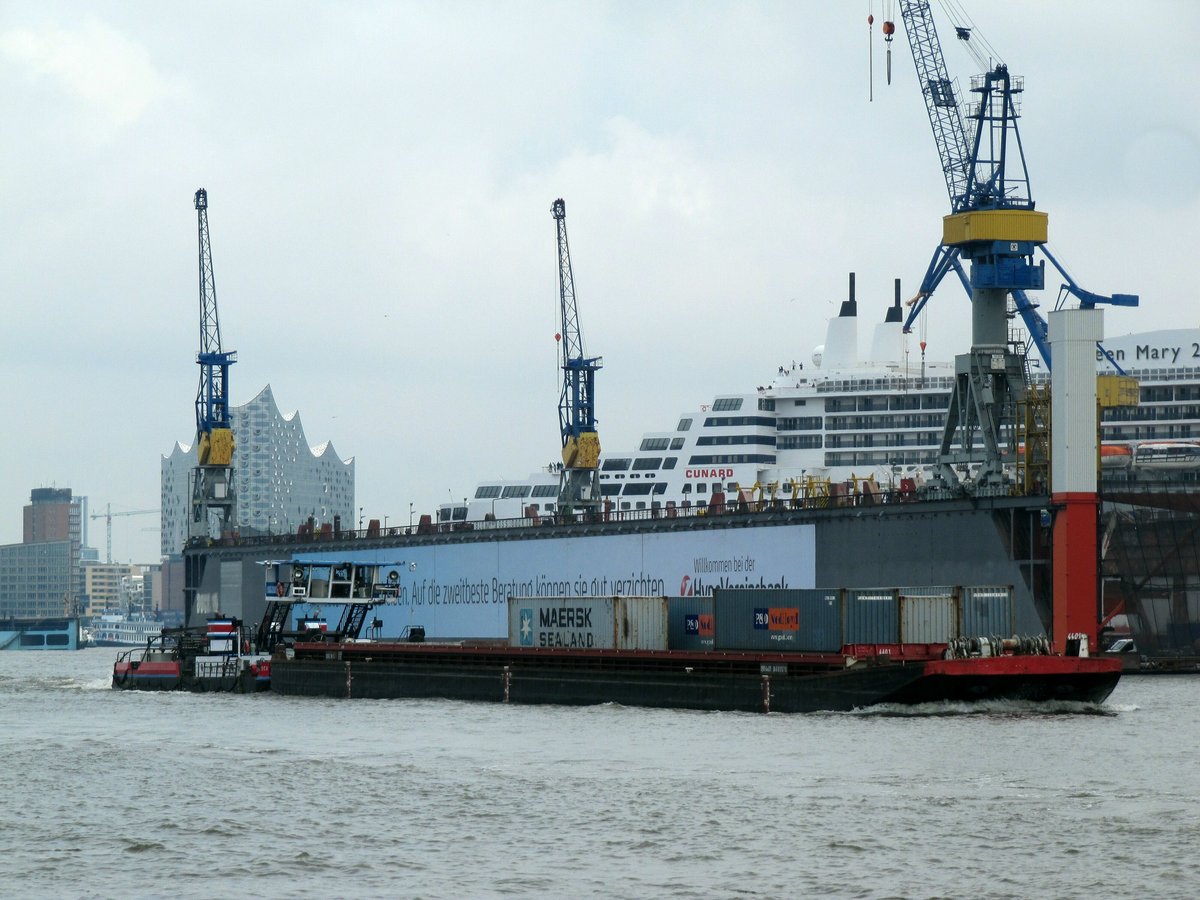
(279, 589)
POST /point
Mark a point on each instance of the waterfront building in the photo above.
(40, 576)
(102, 586)
(281, 481)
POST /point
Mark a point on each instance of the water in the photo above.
(176, 795)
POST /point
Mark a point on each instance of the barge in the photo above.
(860, 676)
(744, 650)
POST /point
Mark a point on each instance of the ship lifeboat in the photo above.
(1167, 455)
(1115, 456)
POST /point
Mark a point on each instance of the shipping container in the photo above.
(987, 611)
(690, 623)
(599, 623)
(872, 617)
(793, 621)
(928, 615)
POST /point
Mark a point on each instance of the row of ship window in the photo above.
(882, 458)
(459, 513)
(886, 403)
(1150, 413)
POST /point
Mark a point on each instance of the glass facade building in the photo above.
(280, 480)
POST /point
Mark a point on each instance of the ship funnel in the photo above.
(887, 343)
(894, 313)
(841, 338)
(850, 306)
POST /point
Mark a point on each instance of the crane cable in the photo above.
(968, 34)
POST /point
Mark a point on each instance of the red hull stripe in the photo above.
(1022, 665)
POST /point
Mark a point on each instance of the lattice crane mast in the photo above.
(213, 497)
(579, 484)
(993, 222)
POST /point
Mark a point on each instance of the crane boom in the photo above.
(941, 100)
(108, 515)
(579, 485)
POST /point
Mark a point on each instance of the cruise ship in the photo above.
(844, 420)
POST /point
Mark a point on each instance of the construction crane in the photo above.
(579, 484)
(213, 496)
(108, 515)
(993, 225)
(993, 222)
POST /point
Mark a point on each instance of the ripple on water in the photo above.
(190, 796)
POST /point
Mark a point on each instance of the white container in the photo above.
(588, 623)
(928, 618)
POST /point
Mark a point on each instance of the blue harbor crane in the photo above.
(993, 224)
(579, 484)
(214, 503)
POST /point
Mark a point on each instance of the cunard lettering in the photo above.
(708, 473)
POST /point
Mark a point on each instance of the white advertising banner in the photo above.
(462, 590)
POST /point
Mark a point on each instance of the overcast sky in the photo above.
(380, 178)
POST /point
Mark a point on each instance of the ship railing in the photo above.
(879, 495)
(218, 668)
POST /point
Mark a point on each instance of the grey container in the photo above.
(598, 623)
(788, 621)
(690, 623)
(872, 616)
(928, 615)
(987, 611)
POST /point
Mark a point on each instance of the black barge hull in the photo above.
(736, 682)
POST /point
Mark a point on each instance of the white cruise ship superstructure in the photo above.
(846, 416)
(837, 416)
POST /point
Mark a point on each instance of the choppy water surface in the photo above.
(178, 795)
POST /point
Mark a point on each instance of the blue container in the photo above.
(872, 616)
(690, 623)
(987, 611)
(785, 621)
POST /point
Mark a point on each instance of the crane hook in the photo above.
(889, 30)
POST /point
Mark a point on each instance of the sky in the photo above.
(380, 177)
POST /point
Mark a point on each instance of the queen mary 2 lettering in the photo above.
(462, 590)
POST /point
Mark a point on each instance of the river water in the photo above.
(111, 793)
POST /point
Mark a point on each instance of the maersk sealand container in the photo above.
(783, 620)
(597, 623)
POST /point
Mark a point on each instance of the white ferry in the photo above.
(120, 630)
(872, 423)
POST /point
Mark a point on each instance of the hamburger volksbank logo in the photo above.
(526, 627)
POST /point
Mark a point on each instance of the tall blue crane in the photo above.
(579, 484)
(993, 222)
(214, 502)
